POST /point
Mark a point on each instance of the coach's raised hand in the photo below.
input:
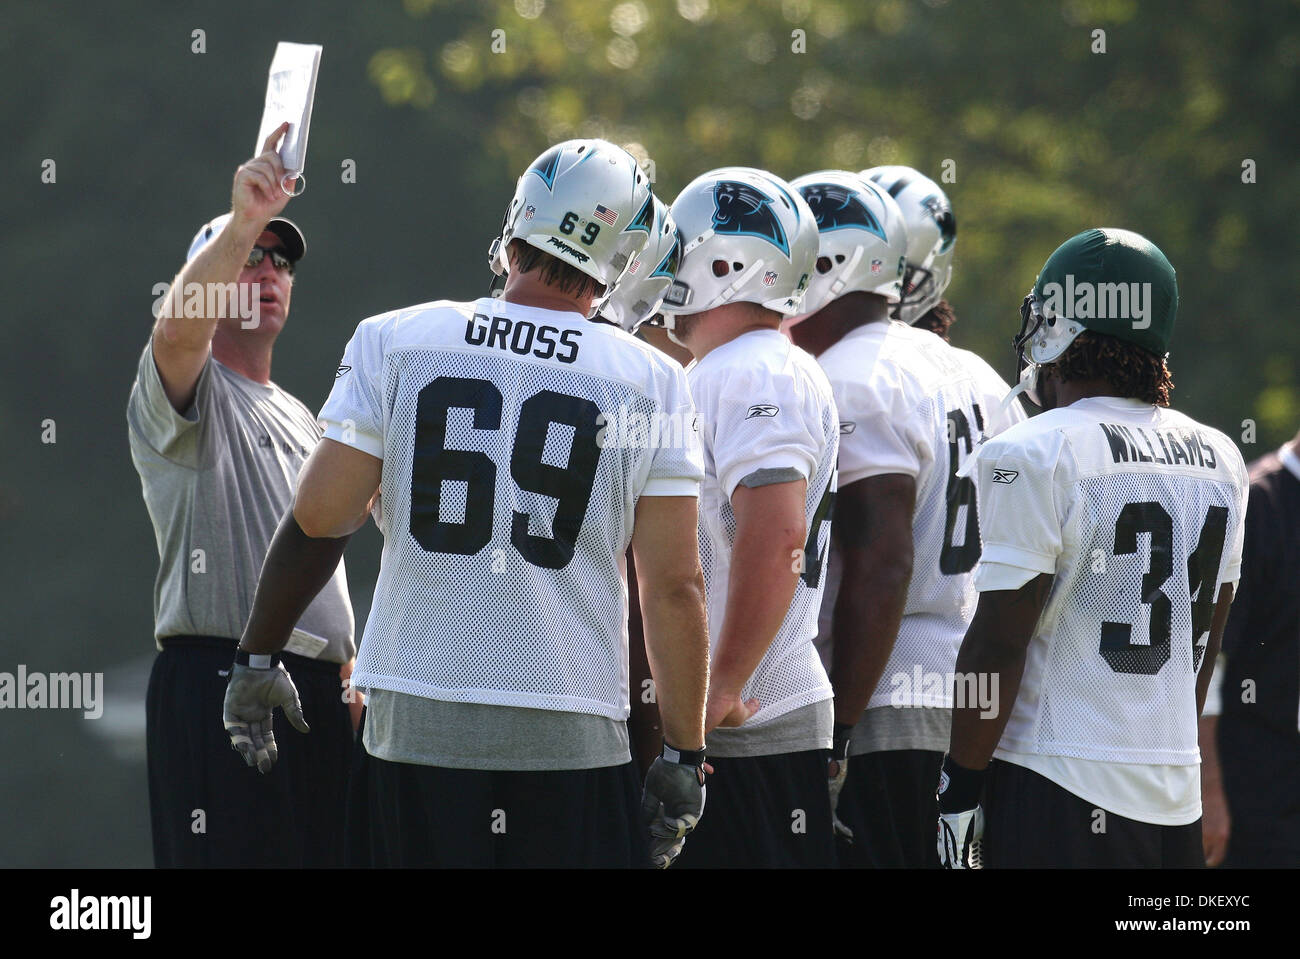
(255, 689)
(256, 195)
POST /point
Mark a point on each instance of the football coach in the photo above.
(218, 447)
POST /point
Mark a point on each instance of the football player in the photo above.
(1112, 533)
(931, 243)
(906, 534)
(495, 654)
(769, 431)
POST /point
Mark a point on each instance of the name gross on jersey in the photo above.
(522, 337)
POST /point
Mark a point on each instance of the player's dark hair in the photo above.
(937, 319)
(1130, 369)
(565, 277)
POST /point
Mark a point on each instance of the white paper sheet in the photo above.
(290, 91)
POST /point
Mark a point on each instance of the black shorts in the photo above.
(888, 801)
(411, 815)
(209, 809)
(1031, 822)
(764, 812)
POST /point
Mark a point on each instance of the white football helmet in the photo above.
(747, 237)
(652, 271)
(931, 236)
(585, 202)
(861, 234)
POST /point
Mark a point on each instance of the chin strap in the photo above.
(840, 283)
(1028, 383)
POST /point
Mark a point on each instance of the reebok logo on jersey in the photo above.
(341, 371)
(1005, 476)
(847, 427)
(762, 409)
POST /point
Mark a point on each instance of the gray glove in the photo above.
(251, 698)
(672, 803)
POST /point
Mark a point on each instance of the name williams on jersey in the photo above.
(1168, 447)
(522, 337)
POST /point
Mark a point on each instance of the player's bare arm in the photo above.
(873, 532)
(181, 343)
(995, 644)
(1216, 823)
(643, 722)
(1214, 644)
(770, 535)
(671, 588)
(336, 489)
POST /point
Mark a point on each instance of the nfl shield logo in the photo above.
(769, 277)
(877, 266)
(529, 211)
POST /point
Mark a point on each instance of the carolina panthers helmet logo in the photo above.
(942, 214)
(546, 166)
(672, 259)
(743, 210)
(837, 208)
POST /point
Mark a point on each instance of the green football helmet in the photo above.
(1109, 281)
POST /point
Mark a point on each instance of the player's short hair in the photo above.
(1132, 370)
(937, 319)
(566, 278)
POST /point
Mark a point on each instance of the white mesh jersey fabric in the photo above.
(911, 404)
(1138, 512)
(764, 404)
(508, 499)
(998, 416)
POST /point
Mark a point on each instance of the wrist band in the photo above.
(256, 660)
(959, 787)
(684, 757)
(840, 740)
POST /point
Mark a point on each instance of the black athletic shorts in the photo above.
(207, 807)
(764, 812)
(411, 815)
(1031, 822)
(888, 801)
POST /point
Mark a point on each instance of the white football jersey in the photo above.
(999, 415)
(766, 411)
(1138, 513)
(913, 405)
(515, 442)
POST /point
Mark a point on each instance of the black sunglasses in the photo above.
(278, 259)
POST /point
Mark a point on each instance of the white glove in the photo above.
(960, 839)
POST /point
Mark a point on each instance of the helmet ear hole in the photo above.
(721, 268)
(839, 258)
(824, 264)
(737, 267)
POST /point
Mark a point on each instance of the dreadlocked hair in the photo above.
(1131, 370)
(937, 319)
(566, 278)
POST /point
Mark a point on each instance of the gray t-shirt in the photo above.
(802, 729)
(888, 728)
(217, 480)
(432, 732)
